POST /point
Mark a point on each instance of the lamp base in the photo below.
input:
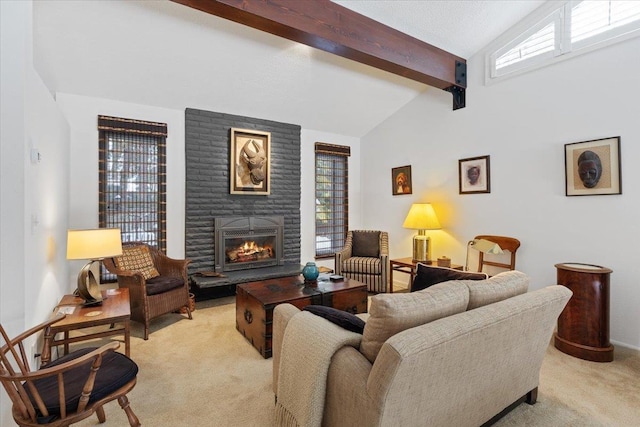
(422, 248)
(88, 288)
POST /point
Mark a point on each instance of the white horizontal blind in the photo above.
(590, 18)
(537, 44)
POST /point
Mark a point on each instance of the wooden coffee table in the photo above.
(114, 309)
(255, 302)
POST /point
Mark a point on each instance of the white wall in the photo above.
(523, 124)
(32, 264)
(308, 184)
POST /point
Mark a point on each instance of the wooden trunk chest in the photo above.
(255, 302)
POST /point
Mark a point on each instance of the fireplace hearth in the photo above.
(243, 243)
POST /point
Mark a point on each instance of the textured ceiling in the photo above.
(167, 55)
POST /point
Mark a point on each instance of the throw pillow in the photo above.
(497, 288)
(428, 275)
(390, 314)
(365, 243)
(345, 320)
(137, 258)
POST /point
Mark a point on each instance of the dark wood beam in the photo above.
(341, 31)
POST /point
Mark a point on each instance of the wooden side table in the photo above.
(583, 325)
(408, 265)
(114, 309)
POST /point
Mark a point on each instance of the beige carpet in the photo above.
(204, 373)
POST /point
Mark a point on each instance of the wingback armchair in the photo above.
(365, 257)
(157, 284)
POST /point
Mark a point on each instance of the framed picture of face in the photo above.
(473, 175)
(401, 180)
(593, 167)
(250, 163)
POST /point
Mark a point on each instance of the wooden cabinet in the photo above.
(583, 325)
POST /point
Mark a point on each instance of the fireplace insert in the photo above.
(248, 242)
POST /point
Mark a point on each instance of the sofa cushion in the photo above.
(429, 275)
(393, 313)
(365, 243)
(341, 318)
(137, 258)
(497, 288)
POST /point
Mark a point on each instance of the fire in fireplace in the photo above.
(248, 242)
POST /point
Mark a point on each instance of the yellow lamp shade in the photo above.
(421, 216)
(93, 244)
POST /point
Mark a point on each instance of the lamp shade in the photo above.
(93, 244)
(486, 246)
(421, 216)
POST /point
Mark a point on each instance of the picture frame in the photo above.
(593, 167)
(401, 180)
(250, 162)
(474, 175)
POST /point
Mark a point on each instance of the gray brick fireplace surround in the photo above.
(207, 188)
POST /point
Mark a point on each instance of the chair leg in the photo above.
(146, 330)
(101, 416)
(124, 404)
(188, 311)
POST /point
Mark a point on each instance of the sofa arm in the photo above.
(340, 256)
(282, 313)
(347, 400)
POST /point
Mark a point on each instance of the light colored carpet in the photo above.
(204, 373)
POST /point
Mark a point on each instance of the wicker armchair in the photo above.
(365, 257)
(69, 389)
(157, 284)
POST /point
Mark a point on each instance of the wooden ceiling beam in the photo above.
(333, 28)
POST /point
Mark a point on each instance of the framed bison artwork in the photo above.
(250, 162)
(401, 180)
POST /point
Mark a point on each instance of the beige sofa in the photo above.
(455, 354)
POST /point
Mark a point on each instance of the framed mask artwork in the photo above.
(593, 167)
(250, 163)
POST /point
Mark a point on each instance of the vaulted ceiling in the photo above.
(167, 55)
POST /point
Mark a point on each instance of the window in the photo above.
(132, 179)
(332, 198)
(563, 32)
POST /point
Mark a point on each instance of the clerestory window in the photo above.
(551, 35)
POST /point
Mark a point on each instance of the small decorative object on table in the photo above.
(310, 273)
(444, 262)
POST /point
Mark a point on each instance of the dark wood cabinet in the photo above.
(583, 325)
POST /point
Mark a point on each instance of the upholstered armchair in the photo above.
(157, 284)
(365, 258)
(68, 389)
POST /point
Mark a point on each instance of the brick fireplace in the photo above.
(208, 198)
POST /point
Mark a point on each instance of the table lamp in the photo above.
(94, 245)
(421, 217)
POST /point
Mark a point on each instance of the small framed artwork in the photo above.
(250, 166)
(474, 175)
(593, 167)
(401, 180)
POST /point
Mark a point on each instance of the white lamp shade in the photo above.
(486, 246)
(421, 216)
(94, 244)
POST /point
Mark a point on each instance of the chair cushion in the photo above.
(115, 371)
(161, 284)
(365, 243)
(393, 313)
(362, 265)
(345, 320)
(428, 275)
(497, 288)
(137, 258)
